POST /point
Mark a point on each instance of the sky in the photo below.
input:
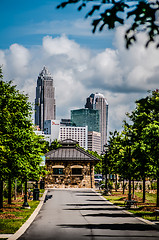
(35, 34)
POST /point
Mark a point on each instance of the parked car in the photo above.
(98, 178)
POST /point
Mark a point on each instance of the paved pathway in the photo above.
(82, 214)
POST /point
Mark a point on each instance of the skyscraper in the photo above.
(86, 117)
(98, 101)
(45, 108)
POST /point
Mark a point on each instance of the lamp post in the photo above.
(25, 204)
(106, 148)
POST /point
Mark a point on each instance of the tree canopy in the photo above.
(134, 152)
(20, 147)
(140, 15)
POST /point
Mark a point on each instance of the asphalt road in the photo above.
(82, 214)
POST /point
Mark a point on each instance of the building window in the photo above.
(58, 171)
(76, 171)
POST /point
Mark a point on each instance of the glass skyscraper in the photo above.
(86, 117)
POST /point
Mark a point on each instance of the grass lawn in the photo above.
(13, 216)
(145, 210)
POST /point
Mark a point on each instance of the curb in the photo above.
(3, 235)
(125, 211)
(24, 227)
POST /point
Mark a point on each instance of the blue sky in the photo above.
(34, 33)
(26, 22)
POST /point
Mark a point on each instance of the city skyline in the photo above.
(34, 34)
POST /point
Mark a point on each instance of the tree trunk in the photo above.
(129, 195)
(123, 187)
(116, 183)
(143, 198)
(157, 204)
(9, 190)
(1, 193)
(133, 189)
(90, 176)
(22, 189)
(15, 190)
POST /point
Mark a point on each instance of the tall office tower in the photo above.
(45, 108)
(94, 141)
(86, 117)
(98, 101)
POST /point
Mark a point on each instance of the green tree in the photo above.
(114, 152)
(145, 120)
(54, 145)
(111, 13)
(121, 155)
(98, 166)
(20, 148)
(151, 133)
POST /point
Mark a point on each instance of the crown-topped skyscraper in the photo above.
(98, 101)
(45, 108)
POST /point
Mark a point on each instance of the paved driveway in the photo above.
(82, 214)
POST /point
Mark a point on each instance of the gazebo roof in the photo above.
(69, 151)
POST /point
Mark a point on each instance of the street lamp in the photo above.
(25, 204)
(106, 148)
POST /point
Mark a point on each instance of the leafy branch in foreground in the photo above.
(143, 14)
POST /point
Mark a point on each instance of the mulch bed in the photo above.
(6, 211)
(9, 216)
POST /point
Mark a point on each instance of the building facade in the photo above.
(66, 122)
(45, 108)
(79, 134)
(94, 142)
(86, 117)
(55, 130)
(70, 167)
(98, 102)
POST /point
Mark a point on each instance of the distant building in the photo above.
(58, 131)
(86, 117)
(98, 102)
(45, 108)
(52, 129)
(66, 122)
(37, 131)
(79, 134)
(94, 142)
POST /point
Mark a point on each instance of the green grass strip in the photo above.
(10, 226)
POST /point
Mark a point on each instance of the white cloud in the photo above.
(19, 58)
(121, 75)
(64, 46)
